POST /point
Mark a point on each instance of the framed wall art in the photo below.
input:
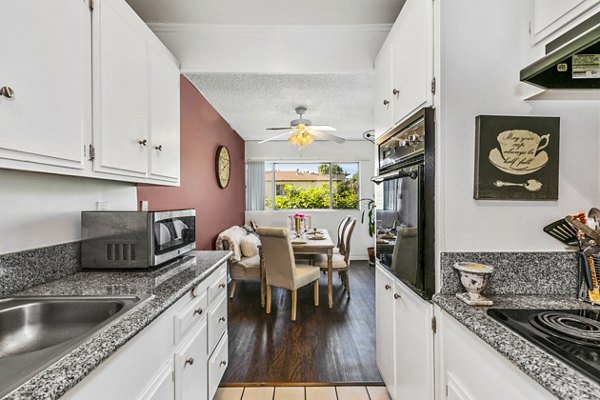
(516, 158)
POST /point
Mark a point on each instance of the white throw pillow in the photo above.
(249, 245)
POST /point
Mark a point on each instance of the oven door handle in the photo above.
(394, 175)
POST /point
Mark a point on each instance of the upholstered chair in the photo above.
(340, 261)
(281, 269)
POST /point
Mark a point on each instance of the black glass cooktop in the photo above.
(571, 335)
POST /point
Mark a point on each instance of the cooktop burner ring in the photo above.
(572, 327)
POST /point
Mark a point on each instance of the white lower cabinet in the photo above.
(191, 364)
(155, 366)
(162, 388)
(404, 339)
(217, 365)
(469, 369)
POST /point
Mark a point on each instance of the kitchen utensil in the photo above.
(575, 221)
(591, 252)
(532, 185)
(562, 231)
(594, 218)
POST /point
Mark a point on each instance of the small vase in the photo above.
(298, 225)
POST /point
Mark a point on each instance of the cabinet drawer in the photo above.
(191, 314)
(217, 323)
(191, 366)
(218, 286)
(217, 365)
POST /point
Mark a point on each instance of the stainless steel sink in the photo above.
(37, 331)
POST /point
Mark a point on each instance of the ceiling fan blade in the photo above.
(279, 129)
(275, 137)
(323, 128)
(326, 136)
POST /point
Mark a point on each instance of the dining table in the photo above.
(306, 244)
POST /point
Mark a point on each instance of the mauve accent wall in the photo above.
(203, 130)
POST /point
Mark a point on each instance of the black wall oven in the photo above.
(404, 216)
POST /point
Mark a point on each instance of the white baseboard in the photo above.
(359, 257)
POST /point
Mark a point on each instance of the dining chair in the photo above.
(340, 261)
(281, 269)
(339, 245)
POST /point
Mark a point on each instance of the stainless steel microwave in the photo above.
(135, 239)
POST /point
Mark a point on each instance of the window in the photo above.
(311, 186)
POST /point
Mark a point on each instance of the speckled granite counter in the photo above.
(554, 375)
(166, 286)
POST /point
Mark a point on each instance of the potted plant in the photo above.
(369, 211)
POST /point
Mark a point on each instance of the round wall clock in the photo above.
(223, 166)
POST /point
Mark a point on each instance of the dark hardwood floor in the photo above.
(323, 346)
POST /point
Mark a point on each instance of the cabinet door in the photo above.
(48, 66)
(413, 347)
(120, 89)
(384, 326)
(549, 16)
(162, 388)
(383, 90)
(217, 364)
(191, 366)
(164, 114)
(412, 64)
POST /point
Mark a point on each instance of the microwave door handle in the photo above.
(388, 177)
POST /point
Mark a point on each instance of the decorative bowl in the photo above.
(474, 277)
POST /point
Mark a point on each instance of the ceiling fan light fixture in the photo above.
(301, 138)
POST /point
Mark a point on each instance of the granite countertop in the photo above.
(167, 285)
(553, 374)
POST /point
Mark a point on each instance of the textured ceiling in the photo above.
(253, 102)
(269, 12)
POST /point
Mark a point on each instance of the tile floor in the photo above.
(303, 393)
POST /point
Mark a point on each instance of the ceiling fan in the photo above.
(303, 132)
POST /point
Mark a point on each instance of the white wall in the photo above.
(484, 44)
(38, 210)
(361, 151)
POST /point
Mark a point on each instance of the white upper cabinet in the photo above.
(550, 16)
(164, 115)
(136, 97)
(121, 126)
(412, 59)
(404, 67)
(383, 92)
(102, 65)
(47, 67)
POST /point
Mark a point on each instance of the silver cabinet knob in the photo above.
(222, 319)
(395, 92)
(396, 296)
(386, 102)
(189, 361)
(198, 311)
(143, 142)
(7, 92)
(159, 147)
(223, 363)
(387, 287)
(222, 285)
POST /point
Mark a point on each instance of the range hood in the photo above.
(571, 61)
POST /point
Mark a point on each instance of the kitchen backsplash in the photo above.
(25, 269)
(550, 273)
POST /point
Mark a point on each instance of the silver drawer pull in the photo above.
(396, 296)
(198, 311)
(143, 142)
(222, 319)
(222, 285)
(189, 361)
(387, 287)
(223, 363)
